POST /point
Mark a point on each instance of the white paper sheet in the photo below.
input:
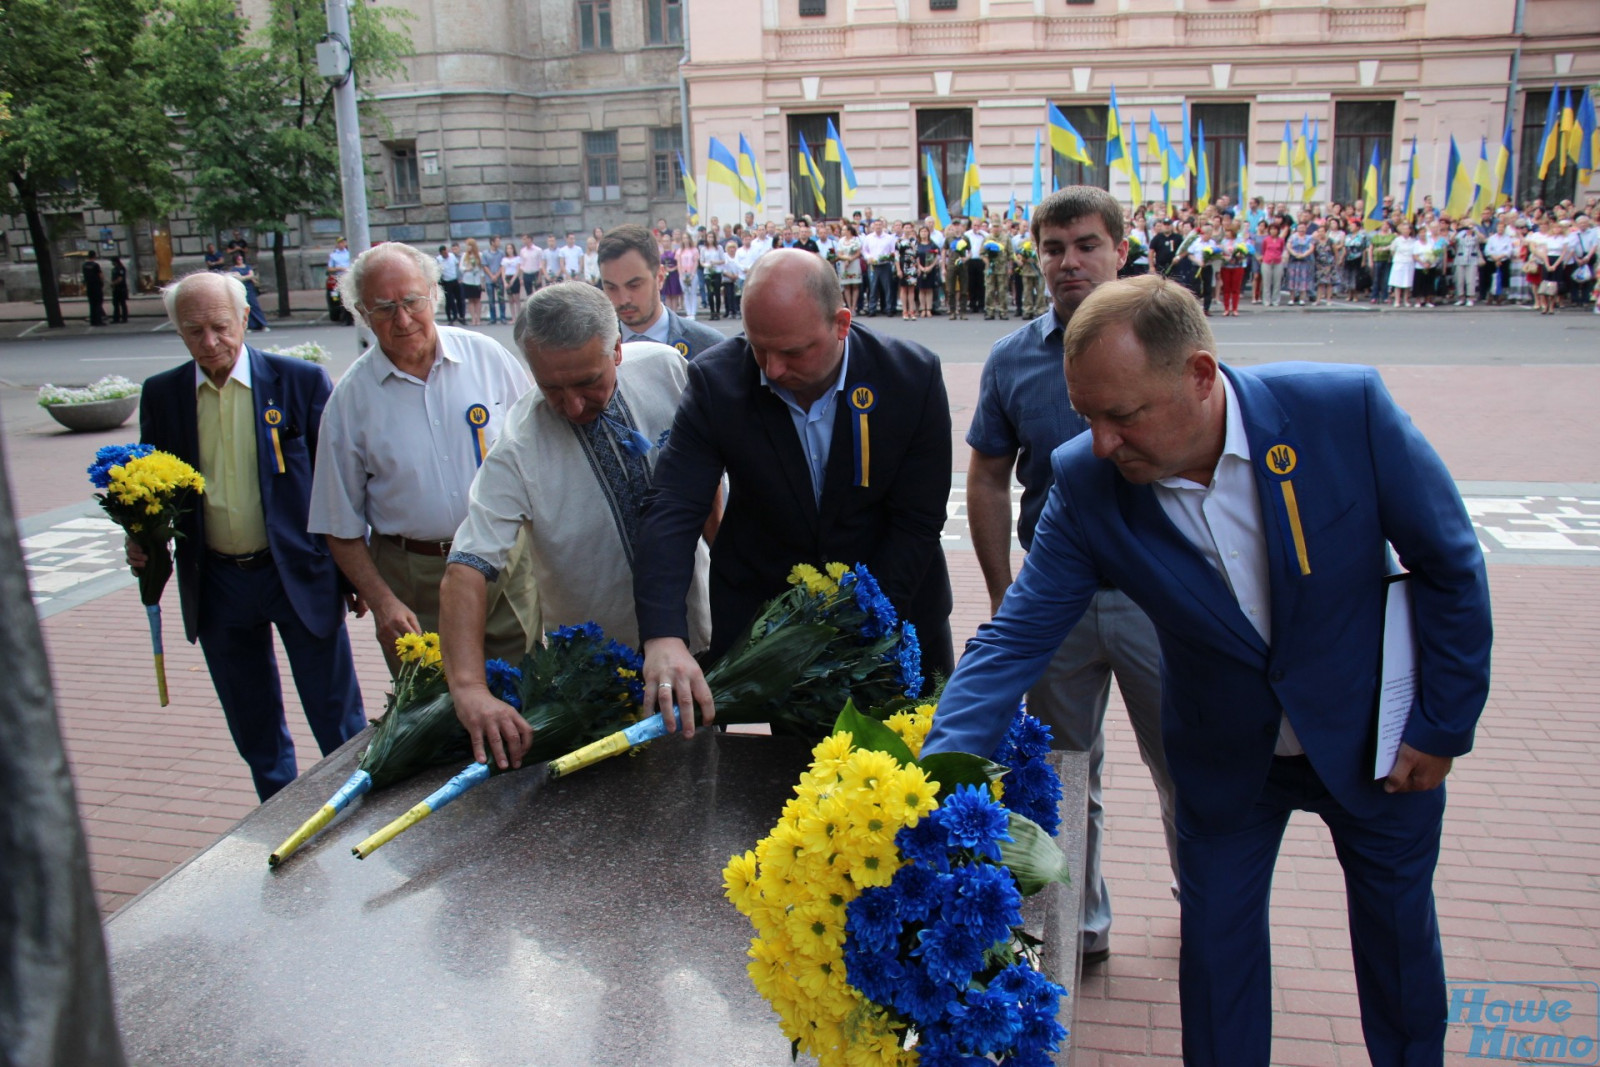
(1397, 678)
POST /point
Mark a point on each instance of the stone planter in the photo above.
(95, 416)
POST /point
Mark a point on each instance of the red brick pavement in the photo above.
(1517, 885)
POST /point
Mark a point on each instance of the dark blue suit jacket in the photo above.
(1363, 476)
(299, 390)
(727, 420)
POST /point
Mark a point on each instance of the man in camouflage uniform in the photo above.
(956, 245)
(996, 276)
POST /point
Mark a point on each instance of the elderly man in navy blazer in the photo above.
(1250, 513)
(836, 443)
(248, 422)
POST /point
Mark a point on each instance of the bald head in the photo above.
(792, 274)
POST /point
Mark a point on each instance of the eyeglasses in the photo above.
(384, 310)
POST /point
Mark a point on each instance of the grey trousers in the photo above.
(1114, 638)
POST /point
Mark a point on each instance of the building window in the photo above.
(1556, 186)
(663, 21)
(1359, 127)
(941, 5)
(813, 7)
(404, 188)
(594, 25)
(803, 199)
(665, 145)
(1090, 122)
(600, 164)
(1227, 129)
(943, 134)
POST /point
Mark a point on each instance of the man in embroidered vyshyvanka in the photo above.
(403, 434)
(1250, 513)
(573, 465)
(248, 421)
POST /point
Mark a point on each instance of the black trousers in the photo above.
(455, 308)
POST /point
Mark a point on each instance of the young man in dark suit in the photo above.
(836, 443)
(248, 422)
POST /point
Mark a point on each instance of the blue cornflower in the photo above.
(881, 616)
(1034, 790)
(1029, 736)
(588, 630)
(504, 681)
(908, 658)
(922, 997)
(939, 1048)
(878, 974)
(985, 1020)
(950, 953)
(972, 820)
(108, 456)
(984, 898)
(927, 842)
(873, 919)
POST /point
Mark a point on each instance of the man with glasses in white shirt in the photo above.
(403, 435)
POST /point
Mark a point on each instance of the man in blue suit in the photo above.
(1250, 514)
(631, 273)
(248, 422)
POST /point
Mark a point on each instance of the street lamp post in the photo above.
(333, 63)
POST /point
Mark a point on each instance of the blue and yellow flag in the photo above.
(1244, 177)
(1155, 144)
(1188, 143)
(1202, 188)
(1482, 179)
(1457, 184)
(691, 194)
(1550, 145)
(1504, 177)
(1411, 181)
(1311, 161)
(1038, 167)
(971, 190)
(1286, 150)
(1371, 192)
(1299, 160)
(1171, 168)
(723, 169)
(1064, 138)
(1589, 137)
(1116, 143)
(1133, 165)
(809, 170)
(1569, 130)
(833, 152)
(750, 172)
(936, 201)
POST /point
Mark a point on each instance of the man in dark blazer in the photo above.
(631, 273)
(836, 443)
(1250, 513)
(248, 422)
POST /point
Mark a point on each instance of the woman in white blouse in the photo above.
(1402, 266)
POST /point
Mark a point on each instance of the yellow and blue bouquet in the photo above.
(146, 493)
(887, 899)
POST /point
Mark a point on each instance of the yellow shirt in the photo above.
(235, 524)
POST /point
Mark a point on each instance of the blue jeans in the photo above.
(495, 296)
(1380, 281)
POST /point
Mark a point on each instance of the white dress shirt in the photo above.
(396, 452)
(1223, 522)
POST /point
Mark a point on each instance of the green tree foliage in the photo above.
(85, 123)
(258, 128)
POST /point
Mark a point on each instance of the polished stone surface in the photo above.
(577, 922)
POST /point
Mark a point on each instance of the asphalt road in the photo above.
(1442, 336)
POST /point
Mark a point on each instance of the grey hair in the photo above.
(350, 284)
(232, 282)
(563, 317)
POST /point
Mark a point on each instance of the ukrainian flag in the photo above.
(1374, 216)
(691, 194)
(1589, 134)
(1457, 184)
(1483, 178)
(1118, 156)
(1284, 149)
(749, 172)
(1569, 131)
(1038, 167)
(1202, 197)
(833, 152)
(1155, 144)
(936, 201)
(1300, 161)
(1172, 169)
(723, 169)
(809, 171)
(1064, 139)
(1311, 161)
(971, 191)
(1244, 178)
(1411, 181)
(1503, 175)
(1551, 145)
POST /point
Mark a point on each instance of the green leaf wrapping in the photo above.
(869, 733)
(952, 769)
(1033, 856)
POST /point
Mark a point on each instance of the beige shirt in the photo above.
(234, 522)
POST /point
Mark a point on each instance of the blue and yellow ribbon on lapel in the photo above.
(1280, 462)
(273, 417)
(478, 421)
(862, 401)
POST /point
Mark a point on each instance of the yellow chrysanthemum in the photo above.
(912, 727)
(866, 769)
(814, 581)
(837, 571)
(911, 796)
(410, 648)
(738, 879)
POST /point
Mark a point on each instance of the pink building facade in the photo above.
(905, 81)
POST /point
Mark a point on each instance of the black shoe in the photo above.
(1098, 956)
